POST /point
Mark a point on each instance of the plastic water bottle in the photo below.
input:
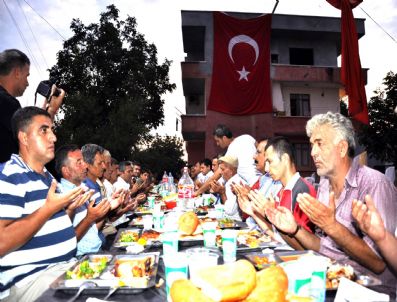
(164, 185)
(185, 189)
(171, 184)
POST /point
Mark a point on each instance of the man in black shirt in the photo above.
(14, 72)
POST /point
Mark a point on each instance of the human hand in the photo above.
(140, 197)
(241, 189)
(96, 212)
(79, 201)
(216, 187)
(317, 212)
(117, 199)
(282, 218)
(57, 201)
(369, 219)
(259, 202)
(52, 105)
(245, 205)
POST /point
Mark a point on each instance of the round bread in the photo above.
(228, 282)
(188, 223)
(271, 286)
(183, 290)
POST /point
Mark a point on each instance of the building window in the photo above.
(302, 155)
(193, 43)
(274, 58)
(301, 56)
(300, 104)
(194, 90)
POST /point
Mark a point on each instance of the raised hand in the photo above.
(95, 213)
(245, 205)
(368, 218)
(259, 202)
(216, 187)
(57, 201)
(282, 218)
(78, 201)
(56, 101)
(318, 213)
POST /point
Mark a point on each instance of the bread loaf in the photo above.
(188, 223)
(228, 282)
(185, 291)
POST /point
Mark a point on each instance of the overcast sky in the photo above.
(160, 22)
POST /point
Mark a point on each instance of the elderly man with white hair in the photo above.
(228, 167)
(342, 182)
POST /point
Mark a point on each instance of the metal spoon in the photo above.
(111, 292)
(83, 286)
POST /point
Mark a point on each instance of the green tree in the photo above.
(114, 85)
(162, 154)
(380, 136)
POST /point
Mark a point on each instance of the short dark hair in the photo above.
(135, 163)
(23, 117)
(114, 161)
(281, 145)
(206, 161)
(124, 165)
(11, 58)
(61, 157)
(221, 131)
(89, 151)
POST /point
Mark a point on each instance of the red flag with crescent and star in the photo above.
(241, 65)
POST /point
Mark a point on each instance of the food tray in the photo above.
(244, 248)
(364, 279)
(107, 280)
(143, 211)
(263, 260)
(121, 232)
(234, 224)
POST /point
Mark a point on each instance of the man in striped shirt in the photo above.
(37, 238)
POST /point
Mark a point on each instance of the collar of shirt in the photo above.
(351, 177)
(66, 185)
(291, 183)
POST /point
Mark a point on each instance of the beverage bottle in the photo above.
(185, 188)
(164, 185)
(171, 184)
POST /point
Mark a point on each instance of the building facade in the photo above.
(304, 74)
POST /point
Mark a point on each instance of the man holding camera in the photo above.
(14, 72)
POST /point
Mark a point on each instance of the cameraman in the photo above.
(14, 72)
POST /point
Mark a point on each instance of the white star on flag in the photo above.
(243, 74)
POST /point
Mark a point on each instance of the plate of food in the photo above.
(335, 270)
(141, 210)
(250, 240)
(228, 223)
(263, 260)
(127, 273)
(126, 237)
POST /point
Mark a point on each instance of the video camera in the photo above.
(44, 88)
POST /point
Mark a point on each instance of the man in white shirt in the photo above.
(242, 148)
(124, 179)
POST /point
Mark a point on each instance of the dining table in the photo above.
(153, 293)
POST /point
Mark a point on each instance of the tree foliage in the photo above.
(162, 154)
(114, 85)
(380, 137)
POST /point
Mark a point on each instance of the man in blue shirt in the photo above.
(70, 165)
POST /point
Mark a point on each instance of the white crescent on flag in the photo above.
(243, 39)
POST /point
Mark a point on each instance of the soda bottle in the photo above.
(185, 188)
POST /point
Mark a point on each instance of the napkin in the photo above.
(353, 292)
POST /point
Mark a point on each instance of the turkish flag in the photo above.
(241, 65)
(351, 73)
